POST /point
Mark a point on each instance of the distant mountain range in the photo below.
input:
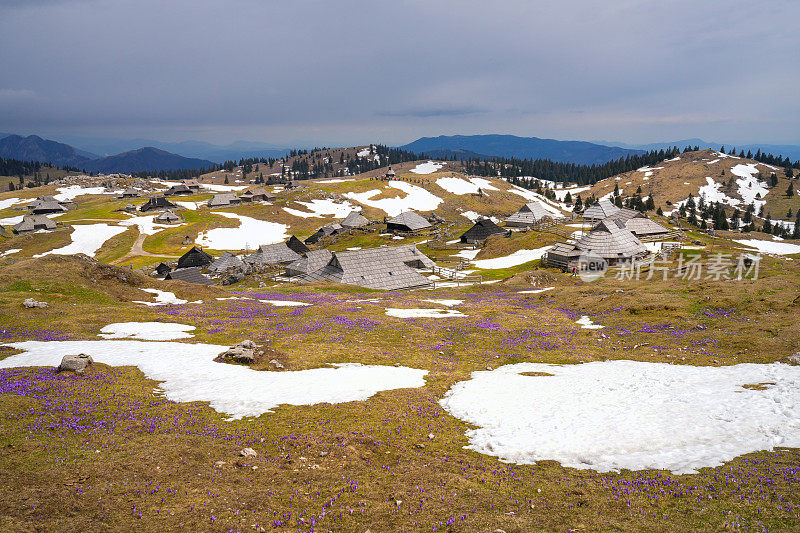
(148, 159)
(195, 149)
(34, 148)
(786, 150)
(522, 147)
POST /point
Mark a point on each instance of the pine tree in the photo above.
(568, 198)
(790, 191)
(578, 204)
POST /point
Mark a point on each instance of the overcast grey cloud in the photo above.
(348, 72)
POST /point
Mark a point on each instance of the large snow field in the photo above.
(321, 208)
(460, 186)
(517, 258)
(147, 331)
(427, 168)
(770, 247)
(423, 313)
(250, 234)
(628, 414)
(457, 186)
(416, 198)
(86, 239)
(189, 374)
(67, 194)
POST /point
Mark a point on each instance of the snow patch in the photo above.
(517, 258)
(423, 313)
(250, 234)
(427, 168)
(189, 374)
(770, 247)
(416, 198)
(632, 415)
(149, 331)
(86, 239)
(162, 298)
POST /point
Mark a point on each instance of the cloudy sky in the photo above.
(342, 72)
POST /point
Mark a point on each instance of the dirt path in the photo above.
(137, 250)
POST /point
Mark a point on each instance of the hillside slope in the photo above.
(34, 148)
(144, 160)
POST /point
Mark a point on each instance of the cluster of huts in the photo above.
(36, 218)
(616, 237)
(384, 267)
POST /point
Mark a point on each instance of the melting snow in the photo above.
(162, 298)
(427, 168)
(423, 313)
(250, 234)
(67, 194)
(771, 247)
(9, 252)
(86, 239)
(517, 258)
(322, 208)
(627, 414)
(536, 291)
(189, 374)
(285, 303)
(586, 323)
(8, 202)
(446, 303)
(147, 224)
(224, 188)
(150, 331)
(416, 198)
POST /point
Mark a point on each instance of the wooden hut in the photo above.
(157, 204)
(325, 231)
(530, 214)
(609, 240)
(167, 217)
(482, 230)
(226, 262)
(224, 200)
(599, 211)
(31, 223)
(195, 258)
(354, 220)
(189, 275)
(258, 194)
(409, 221)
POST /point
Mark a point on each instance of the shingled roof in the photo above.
(259, 194)
(272, 254)
(130, 192)
(314, 261)
(44, 207)
(189, 275)
(637, 223)
(609, 240)
(355, 220)
(600, 210)
(325, 231)
(226, 261)
(32, 223)
(157, 203)
(297, 245)
(194, 258)
(481, 230)
(167, 217)
(224, 200)
(180, 189)
(528, 215)
(384, 268)
(407, 221)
